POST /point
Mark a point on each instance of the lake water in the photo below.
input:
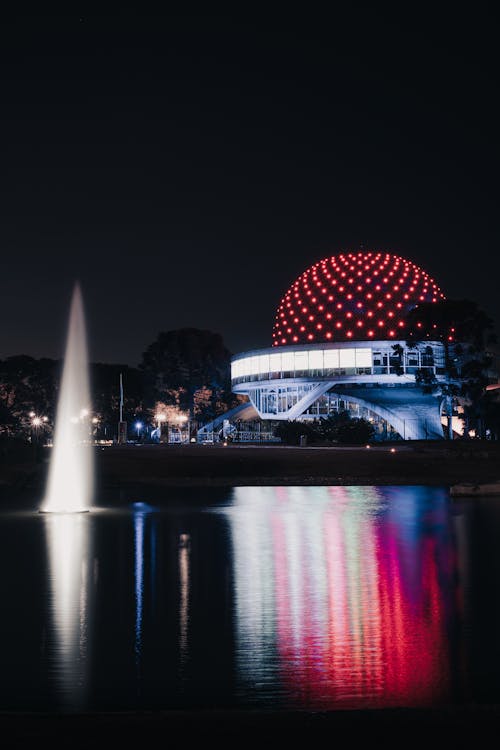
(259, 597)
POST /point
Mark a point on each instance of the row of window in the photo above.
(328, 362)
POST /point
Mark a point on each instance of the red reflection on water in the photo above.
(359, 616)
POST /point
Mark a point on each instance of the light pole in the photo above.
(182, 419)
(36, 423)
(159, 419)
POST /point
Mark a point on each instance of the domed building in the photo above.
(338, 343)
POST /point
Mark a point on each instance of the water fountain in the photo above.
(71, 473)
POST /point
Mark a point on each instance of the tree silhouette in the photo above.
(183, 361)
(467, 334)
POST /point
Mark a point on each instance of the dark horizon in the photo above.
(186, 169)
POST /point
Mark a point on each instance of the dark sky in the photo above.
(186, 169)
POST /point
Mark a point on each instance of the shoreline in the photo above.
(143, 466)
(193, 726)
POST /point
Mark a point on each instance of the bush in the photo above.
(290, 432)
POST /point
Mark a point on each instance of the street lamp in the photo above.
(160, 418)
(138, 427)
(36, 423)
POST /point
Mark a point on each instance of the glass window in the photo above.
(254, 366)
(315, 359)
(275, 362)
(263, 364)
(347, 358)
(288, 361)
(331, 358)
(363, 357)
(301, 361)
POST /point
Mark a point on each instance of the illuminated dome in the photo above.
(352, 296)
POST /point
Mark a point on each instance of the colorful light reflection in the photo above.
(337, 608)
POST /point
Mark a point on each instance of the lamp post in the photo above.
(138, 427)
(159, 419)
(182, 419)
(36, 423)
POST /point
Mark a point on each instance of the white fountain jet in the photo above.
(71, 472)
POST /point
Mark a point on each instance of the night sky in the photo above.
(187, 169)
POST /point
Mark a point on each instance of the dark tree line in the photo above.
(188, 369)
(470, 348)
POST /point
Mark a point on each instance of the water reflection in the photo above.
(342, 599)
(70, 578)
(138, 578)
(184, 584)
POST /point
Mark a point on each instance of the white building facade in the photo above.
(370, 379)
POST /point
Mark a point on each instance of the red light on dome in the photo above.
(351, 274)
